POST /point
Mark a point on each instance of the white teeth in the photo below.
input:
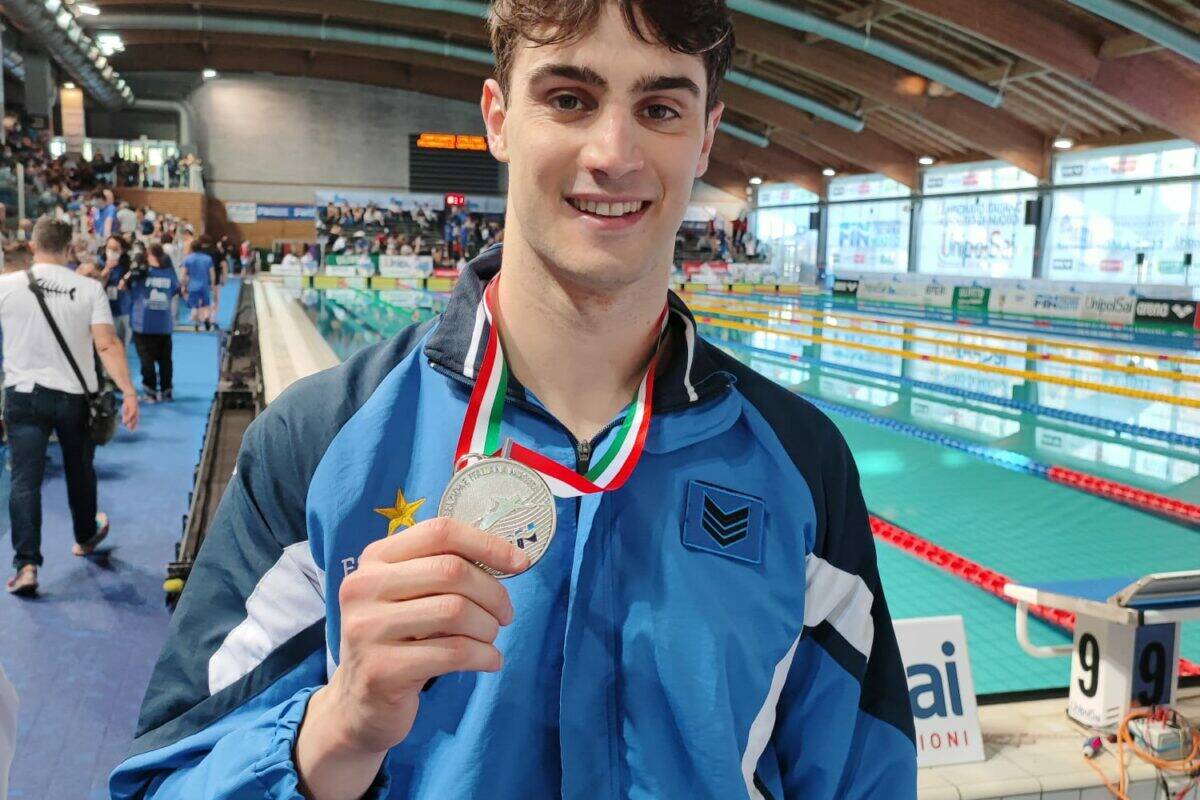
(606, 209)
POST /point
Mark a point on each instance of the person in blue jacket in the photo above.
(199, 277)
(706, 622)
(152, 290)
(115, 267)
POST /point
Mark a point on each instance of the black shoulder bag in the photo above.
(102, 404)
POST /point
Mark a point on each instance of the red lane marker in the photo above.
(1123, 493)
(978, 575)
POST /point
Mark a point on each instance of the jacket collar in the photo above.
(688, 375)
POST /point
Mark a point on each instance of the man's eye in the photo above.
(660, 112)
(567, 102)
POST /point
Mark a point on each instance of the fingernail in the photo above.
(519, 560)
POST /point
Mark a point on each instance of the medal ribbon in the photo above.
(481, 427)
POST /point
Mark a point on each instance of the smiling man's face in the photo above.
(604, 138)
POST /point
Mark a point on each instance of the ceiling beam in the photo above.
(809, 151)
(1166, 87)
(867, 149)
(329, 66)
(726, 177)
(1151, 85)
(1022, 27)
(1132, 44)
(992, 131)
(457, 69)
(774, 163)
(370, 12)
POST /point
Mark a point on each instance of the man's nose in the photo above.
(614, 148)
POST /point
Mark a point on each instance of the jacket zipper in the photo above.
(583, 450)
(583, 456)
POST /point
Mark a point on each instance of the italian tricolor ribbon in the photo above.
(481, 427)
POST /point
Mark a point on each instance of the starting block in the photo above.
(1126, 648)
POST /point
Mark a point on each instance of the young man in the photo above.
(42, 393)
(707, 620)
(199, 273)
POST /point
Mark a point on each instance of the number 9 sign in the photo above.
(1115, 667)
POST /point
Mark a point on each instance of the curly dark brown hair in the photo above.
(701, 28)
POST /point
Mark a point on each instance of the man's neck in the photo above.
(582, 351)
(49, 258)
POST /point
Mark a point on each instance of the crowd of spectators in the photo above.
(452, 236)
(66, 181)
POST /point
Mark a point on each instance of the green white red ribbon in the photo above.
(481, 427)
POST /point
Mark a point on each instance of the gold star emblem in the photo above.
(401, 516)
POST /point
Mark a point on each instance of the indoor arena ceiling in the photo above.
(848, 84)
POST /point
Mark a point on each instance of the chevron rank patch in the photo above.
(724, 522)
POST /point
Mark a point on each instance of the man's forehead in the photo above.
(610, 54)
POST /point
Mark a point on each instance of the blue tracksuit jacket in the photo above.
(714, 629)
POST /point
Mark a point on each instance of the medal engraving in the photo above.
(506, 499)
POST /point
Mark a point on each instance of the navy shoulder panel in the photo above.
(810, 438)
(261, 512)
(843, 535)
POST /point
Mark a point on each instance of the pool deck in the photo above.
(1034, 752)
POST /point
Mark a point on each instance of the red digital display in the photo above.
(456, 199)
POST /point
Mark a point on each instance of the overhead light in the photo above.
(756, 181)
(90, 10)
(829, 172)
(209, 73)
(1063, 143)
(68, 85)
(925, 161)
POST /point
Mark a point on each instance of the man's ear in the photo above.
(492, 103)
(710, 133)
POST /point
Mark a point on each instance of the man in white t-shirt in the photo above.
(43, 394)
(128, 220)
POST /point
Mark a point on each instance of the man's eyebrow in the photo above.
(665, 83)
(570, 72)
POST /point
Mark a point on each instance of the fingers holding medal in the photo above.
(417, 607)
(507, 500)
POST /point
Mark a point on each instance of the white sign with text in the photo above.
(941, 690)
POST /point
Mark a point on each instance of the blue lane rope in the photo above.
(1170, 437)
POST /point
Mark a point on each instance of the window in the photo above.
(1138, 233)
(789, 241)
(979, 235)
(1128, 230)
(871, 236)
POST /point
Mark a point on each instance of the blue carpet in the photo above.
(81, 653)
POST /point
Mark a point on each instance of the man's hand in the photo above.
(417, 607)
(129, 411)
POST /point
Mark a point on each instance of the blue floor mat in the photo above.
(80, 654)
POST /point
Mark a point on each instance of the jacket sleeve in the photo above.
(844, 726)
(246, 646)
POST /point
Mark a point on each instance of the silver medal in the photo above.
(506, 499)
